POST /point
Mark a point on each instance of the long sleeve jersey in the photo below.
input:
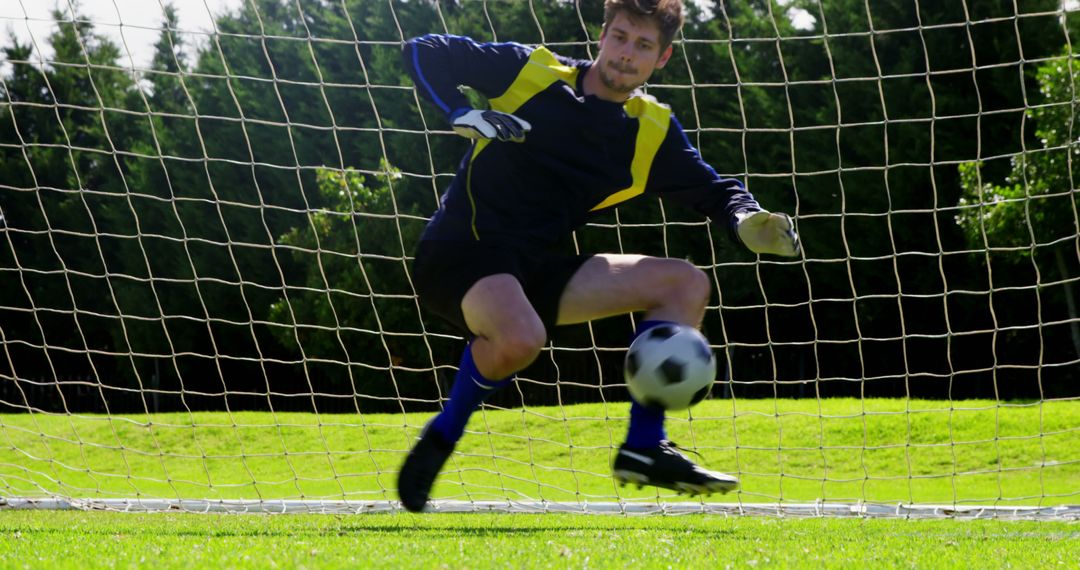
(582, 156)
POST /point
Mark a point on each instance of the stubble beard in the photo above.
(610, 83)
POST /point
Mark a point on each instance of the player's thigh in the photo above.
(615, 284)
(496, 307)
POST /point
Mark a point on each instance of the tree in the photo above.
(1033, 212)
(63, 176)
(353, 302)
(196, 199)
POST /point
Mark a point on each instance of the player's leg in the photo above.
(508, 336)
(666, 290)
(509, 332)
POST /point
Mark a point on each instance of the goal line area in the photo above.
(208, 224)
(861, 510)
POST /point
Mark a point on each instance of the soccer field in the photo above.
(841, 450)
(217, 263)
(786, 451)
(971, 452)
(70, 539)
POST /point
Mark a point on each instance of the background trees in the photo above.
(238, 218)
(1028, 223)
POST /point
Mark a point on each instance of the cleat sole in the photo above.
(639, 480)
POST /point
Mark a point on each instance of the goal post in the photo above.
(206, 297)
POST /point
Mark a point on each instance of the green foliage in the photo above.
(1035, 204)
(63, 172)
(1033, 212)
(205, 195)
(350, 262)
(995, 214)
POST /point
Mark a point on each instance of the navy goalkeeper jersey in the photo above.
(583, 154)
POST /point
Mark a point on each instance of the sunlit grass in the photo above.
(879, 450)
(80, 540)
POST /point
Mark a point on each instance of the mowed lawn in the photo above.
(78, 540)
(842, 450)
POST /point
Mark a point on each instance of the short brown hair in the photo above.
(668, 15)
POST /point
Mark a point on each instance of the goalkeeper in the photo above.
(563, 139)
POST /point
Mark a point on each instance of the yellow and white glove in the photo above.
(480, 124)
(766, 232)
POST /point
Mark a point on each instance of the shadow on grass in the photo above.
(496, 531)
(427, 526)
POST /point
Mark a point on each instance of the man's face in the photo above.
(629, 53)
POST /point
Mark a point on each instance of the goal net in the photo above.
(208, 213)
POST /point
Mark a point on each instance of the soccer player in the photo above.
(563, 139)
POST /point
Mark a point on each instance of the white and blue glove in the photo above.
(480, 124)
(766, 232)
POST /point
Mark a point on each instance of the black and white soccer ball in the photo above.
(670, 366)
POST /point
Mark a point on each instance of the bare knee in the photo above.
(521, 347)
(511, 349)
(683, 291)
(509, 333)
(697, 285)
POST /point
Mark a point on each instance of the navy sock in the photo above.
(646, 424)
(470, 389)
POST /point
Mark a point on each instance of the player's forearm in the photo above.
(723, 200)
(682, 174)
(719, 199)
(429, 60)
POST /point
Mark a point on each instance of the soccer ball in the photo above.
(670, 366)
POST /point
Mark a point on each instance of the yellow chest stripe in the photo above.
(542, 70)
(653, 122)
(539, 73)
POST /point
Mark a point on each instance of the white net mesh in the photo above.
(205, 293)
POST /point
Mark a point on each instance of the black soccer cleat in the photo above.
(664, 466)
(421, 467)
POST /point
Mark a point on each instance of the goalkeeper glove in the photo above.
(766, 232)
(479, 124)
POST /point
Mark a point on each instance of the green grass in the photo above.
(69, 539)
(877, 450)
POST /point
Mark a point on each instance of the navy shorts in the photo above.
(444, 271)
